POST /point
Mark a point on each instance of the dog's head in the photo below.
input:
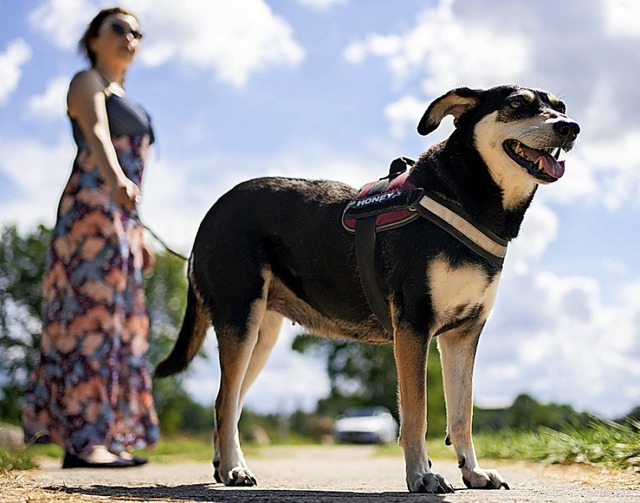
(519, 132)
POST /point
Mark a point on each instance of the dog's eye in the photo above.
(516, 103)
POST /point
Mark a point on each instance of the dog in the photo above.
(274, 248)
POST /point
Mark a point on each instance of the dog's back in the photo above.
(279, 234)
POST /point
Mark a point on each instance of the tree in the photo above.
(22, 262)
(365, 374)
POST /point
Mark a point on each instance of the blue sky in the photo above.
(334, 89)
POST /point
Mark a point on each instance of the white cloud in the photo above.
(445, 52)
(234, 39)
(378, 45)
(35, 173)
(404, 113)
(557, 338)
(601, 171)
(321, 4)
(538, 231)
(622, 18)
(16, 54)
(51, 104)
(63, 21)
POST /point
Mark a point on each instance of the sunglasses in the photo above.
(120, 30)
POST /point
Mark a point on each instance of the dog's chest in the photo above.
(460, 292)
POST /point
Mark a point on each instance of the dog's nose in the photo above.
(567, 129)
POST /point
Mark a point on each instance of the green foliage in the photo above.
(182, 449)
(178, 412)
(10, 410)
(633, 415)
(165, 290)
(526, 414)
(299, 427)
(601, 442)
(22, 260)
(365, 374)
(16, 459)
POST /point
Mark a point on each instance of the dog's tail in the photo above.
(195, 324)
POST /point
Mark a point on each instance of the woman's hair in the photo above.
(93, 30)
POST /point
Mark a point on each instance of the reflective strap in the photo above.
(492, 247)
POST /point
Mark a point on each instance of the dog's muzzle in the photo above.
(543, 163)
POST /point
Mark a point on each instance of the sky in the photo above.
(334, 89)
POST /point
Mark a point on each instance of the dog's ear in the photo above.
(454, 103)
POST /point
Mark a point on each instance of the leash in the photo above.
(163, 244)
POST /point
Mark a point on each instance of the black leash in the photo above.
(165, 245)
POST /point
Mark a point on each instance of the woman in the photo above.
(91, 393)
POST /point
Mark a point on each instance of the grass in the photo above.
(174, 449)
(15, 459)
(602, 443)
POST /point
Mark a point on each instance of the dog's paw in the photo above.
(429, 483)
(483, 479)
(238, 476)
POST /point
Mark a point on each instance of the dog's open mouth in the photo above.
(541, 163)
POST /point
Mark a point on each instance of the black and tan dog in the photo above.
(275, 247)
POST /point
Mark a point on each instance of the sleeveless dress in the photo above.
(92, 385)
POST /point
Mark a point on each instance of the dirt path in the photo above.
(313, 474)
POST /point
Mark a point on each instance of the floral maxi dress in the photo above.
(92, 385)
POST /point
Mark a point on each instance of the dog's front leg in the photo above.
(411, 357)
(457, 353)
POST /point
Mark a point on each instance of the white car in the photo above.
(366, 425)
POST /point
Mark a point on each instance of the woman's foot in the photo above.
(98, 457)
(137, 461)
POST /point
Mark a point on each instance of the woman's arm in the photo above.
(86, 102)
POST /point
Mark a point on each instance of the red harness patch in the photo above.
(388, 199)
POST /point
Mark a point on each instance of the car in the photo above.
(370, 425)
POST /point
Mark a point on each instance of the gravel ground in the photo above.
(314, 474)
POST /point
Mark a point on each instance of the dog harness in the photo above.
(393, 201)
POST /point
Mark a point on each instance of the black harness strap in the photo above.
(365, 259)
(365, 238)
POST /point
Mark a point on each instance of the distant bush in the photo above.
(526, 414)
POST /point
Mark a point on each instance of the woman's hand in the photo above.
(125, 194)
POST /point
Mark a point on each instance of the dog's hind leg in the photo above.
(457, 353)
(411, 353)
(235, 354)
(241, 360)
(267, 337)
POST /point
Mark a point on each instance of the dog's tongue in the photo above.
(549, 164)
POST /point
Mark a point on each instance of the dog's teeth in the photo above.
(557, 154)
